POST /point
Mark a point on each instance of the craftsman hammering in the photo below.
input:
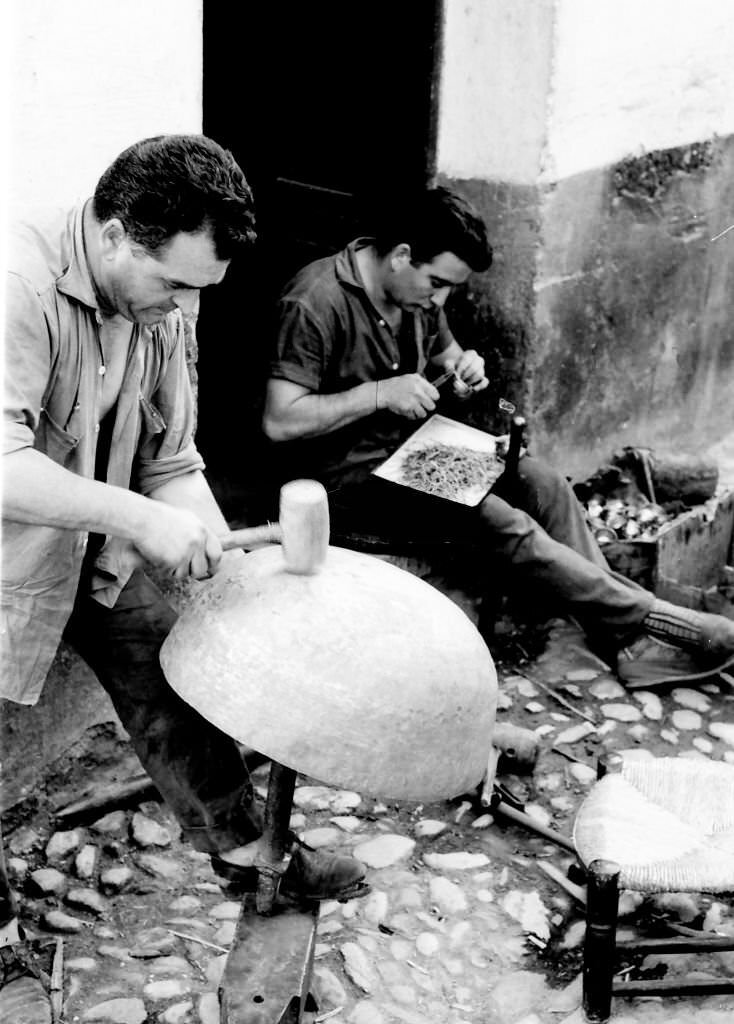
(361, 336)
(101, 475)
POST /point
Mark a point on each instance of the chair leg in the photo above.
(602, 898)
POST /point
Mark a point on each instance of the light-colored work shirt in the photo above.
(52, 389)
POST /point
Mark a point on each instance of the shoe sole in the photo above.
(666, 680)
(239, 881)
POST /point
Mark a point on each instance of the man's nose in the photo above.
(187, 300)
(439, 297)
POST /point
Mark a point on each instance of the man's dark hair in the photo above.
(173, 183)
(433, 221)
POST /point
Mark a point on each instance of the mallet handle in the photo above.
(252, 537)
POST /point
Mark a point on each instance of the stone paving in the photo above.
(463, 925)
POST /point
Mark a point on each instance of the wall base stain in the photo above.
(609, 308)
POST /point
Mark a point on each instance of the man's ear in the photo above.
(111, 236)
(400, 256)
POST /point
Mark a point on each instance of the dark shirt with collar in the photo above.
(331, 338)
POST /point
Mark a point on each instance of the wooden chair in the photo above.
(657, 825)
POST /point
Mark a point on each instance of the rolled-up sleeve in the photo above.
(27, 362)
(166, 449)
(302, 346)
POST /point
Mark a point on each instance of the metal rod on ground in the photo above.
(56, 988)
(278, 805)
(527, 821)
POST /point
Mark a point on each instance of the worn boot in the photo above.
(24, 985)
(310, 875)
(678, 645)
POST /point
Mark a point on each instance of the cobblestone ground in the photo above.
(464, 925)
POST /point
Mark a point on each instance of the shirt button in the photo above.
(96, 428)
(395, 366)
(381, 323)
(102, 371)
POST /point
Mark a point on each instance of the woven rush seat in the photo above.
(667, 822)
(657, 825)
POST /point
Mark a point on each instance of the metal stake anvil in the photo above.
(267, 977)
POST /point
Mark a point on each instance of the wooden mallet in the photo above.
(302, 528)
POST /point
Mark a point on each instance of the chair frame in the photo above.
(601, 948)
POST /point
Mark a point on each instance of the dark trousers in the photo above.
(530, 529)
(198, 770)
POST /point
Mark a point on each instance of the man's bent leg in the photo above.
(588, 590)
(669, 643)
(549, 499)
(197, 768)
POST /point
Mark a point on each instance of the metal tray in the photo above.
(441, 430)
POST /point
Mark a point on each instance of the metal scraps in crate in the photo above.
(613, 519)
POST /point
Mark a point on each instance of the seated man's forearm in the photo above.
(292, 412)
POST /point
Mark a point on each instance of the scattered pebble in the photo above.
(686, 720)
(427, 943)
(529, 911)
(483, 821)
(607, 689)
(58, 921)
(325, 836)
(447, 895)
(48, 882)
(384, 850)
(652, 706)
(575, 733)
(345, 800)
(146, 832)
(692, 699)
(581, 675)
(458, 861)
(167, 988)
(347, 823)
(358, 966)
(87, 899)
(61, 844)
(429, 827)
(115, 879)
(114, 822)
(313, 798)
(621, 712)
(723, 731)
(582, 773)
(118, 1011)
(85, 862)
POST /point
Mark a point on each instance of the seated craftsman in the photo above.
(360, 336)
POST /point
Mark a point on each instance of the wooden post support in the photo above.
(602, 898)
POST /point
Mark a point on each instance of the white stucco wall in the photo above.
(493, 89)
(89, 77)
(546, 88)
(630, 77)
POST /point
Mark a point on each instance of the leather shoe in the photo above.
(651, 662)
(23, 986)
(310, 875)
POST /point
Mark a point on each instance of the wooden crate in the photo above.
(687, 556)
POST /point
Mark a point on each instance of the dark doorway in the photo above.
(323, 104)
